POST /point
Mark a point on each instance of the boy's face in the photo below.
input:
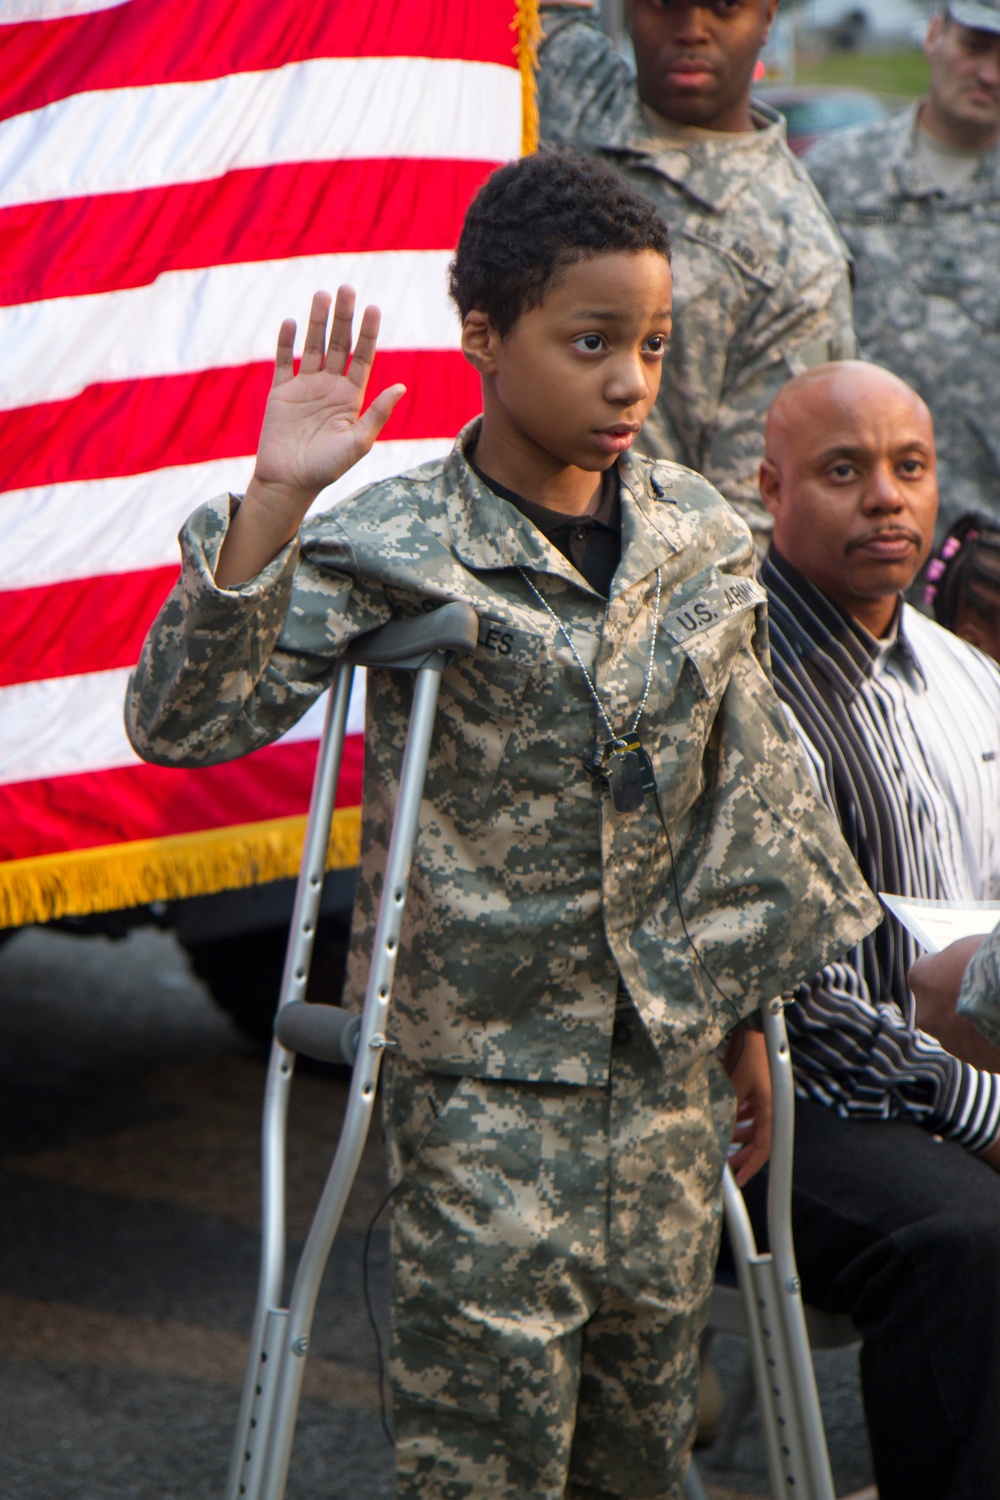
(573, 381)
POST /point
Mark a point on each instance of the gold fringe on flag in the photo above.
(115, 876)
(528, 26)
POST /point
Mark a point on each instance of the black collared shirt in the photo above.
(593, 544)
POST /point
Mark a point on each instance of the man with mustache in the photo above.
(761, 288)
(917, 198)
(896, 1205)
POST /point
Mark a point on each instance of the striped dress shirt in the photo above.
(903, 735)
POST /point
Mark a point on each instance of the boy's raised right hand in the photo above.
(313, 432)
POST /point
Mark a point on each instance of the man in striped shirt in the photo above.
(897, 1200)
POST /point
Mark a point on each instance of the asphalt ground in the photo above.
(129, 1114)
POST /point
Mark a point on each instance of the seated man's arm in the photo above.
(979, 999)
(861, 1057)
(936, 980)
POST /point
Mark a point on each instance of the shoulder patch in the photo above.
(767, 272)
(717, 599)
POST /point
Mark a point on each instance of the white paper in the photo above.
(935, 924)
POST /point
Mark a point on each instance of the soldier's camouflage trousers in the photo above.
(553, 1251)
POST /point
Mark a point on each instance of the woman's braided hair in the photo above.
(965, 571)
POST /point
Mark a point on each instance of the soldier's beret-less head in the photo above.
(534, 217)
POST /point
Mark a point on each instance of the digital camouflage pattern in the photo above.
(529, 894)
(979, 998)
(761, 288)
(927, 293)
(553, 1250)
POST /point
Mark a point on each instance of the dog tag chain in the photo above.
(621, 760)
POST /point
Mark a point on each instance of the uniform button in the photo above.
(581, 535)
(621, 1034)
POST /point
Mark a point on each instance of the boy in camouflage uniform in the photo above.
(556, 1114)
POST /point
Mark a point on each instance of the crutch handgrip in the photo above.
(327, 1033)
(407, 645)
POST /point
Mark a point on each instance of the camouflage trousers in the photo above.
(553, 1251)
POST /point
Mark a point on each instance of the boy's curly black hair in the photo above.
(532, 218)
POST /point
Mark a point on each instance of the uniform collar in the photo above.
(904, 164)
(489, 533)
(653, 529)
(713, 171)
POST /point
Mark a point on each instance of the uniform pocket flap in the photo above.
(712, 622)
(496, 674)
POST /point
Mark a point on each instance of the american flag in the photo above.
(176, 176)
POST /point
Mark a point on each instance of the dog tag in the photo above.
(625, 779)
(645, 767)
(628, 744)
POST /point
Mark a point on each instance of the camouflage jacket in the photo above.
(927, 295)
(529, 895)
(761, 288)
(979, 998)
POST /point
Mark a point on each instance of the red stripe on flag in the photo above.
(83, 625)
(148, 802)
(148, 42)
(78, 246)
(137, 426)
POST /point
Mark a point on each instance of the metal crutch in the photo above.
(280, 1338)
(791, 1419)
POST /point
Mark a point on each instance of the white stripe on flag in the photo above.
(65, 726)
(212, 318)
(117, 140)
(59, 532)
(51, 10)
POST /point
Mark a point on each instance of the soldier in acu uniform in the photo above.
(917, 198)
(619, 853)
(761, 280)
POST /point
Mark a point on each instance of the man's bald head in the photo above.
(841, 386)
(849, 476)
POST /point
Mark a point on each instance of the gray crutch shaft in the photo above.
(791, 1419)
(305, 915)
(361, 1102)
(785, 1269)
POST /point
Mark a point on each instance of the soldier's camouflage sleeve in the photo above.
(586, 90)
(979, 998)
(725, 368)
(225, 671)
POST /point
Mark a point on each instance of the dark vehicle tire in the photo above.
(243, 972)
